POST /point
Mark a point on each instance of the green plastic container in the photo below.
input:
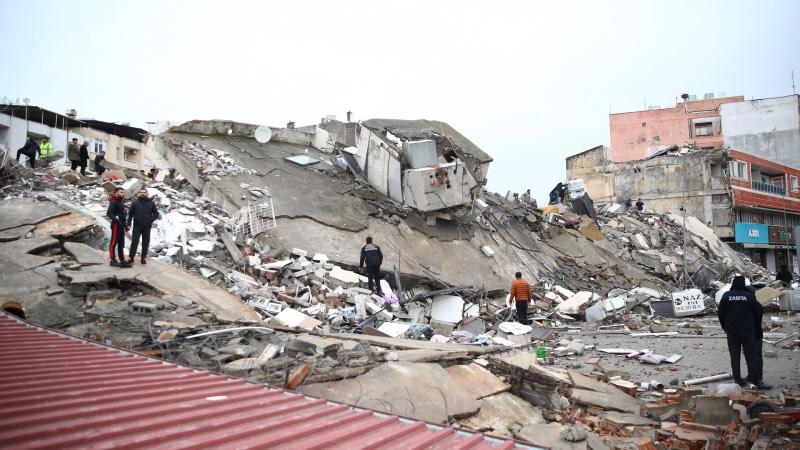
(541, 352)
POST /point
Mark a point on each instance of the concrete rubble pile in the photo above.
(615, 354)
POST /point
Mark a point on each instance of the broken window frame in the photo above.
(741, 173)
(706, 127)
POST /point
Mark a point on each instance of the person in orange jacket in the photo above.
(521, 293)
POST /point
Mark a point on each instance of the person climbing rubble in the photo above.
(116, 213)
(521, 294)
(740, 316)
(30, 149)
(142, 214)
(558, 193)
(371, 256)
(640, 205)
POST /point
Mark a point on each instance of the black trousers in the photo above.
(31, 157)
(737, 342)
(144, 233)
(83, 164)
(74, 164)
(522, 312)
(374, 275)
(118, 241)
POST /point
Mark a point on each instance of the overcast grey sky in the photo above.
(529, 82)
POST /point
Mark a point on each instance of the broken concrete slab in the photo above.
(582, 381)
(713, 410)
(169, 281)
(503, 414)
(12, 234)
(84, 254)
(548, 435)
(419, 390)
(17, 212)
(475, 380)
(295, 319)
(573, 304)
(64, 226)
(411, 344)
(19, 252)
(613, 402)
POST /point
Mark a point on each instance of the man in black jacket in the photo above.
(116, 213)
(83, 153)
(740, 315)
(372, 256)
(98, 162)
(142, 214)
(30, 149)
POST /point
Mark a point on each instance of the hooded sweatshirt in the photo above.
(116, 210)
(739, 311)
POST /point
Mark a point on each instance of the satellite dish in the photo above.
(263, 134)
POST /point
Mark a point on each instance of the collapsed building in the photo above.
(255, 274)
(750, 202)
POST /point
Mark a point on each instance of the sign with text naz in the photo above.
(752, 233)
(688, 302)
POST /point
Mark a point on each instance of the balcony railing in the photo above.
(766, 187)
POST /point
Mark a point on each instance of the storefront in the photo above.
(767, 245)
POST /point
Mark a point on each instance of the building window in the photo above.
(644, 124)
(703, 129)
(99, 145)
(737, 169)
(793, 184)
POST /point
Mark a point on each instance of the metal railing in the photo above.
(766, 187)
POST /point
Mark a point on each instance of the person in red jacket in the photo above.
(521, 293)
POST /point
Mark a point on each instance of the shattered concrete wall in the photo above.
(589, 166)
(374, 154)
(769, 128)
(660, 182)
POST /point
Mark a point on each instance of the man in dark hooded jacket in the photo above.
(142, 214)
(740, 315)
(30, 149)
(116, 214)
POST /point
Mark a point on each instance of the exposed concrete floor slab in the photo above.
(16, 212)
(64, 226)
(19, 252)
(170, 280)
(502, 413)
(85, 255)
(420, 390)
(12, 234)
(312, 192)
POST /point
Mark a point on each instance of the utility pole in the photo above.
(686, 280)
(794, 91)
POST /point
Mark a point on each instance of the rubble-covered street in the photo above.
(254, 273)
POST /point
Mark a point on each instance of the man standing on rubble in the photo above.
(371, 256)
(116, 213)
(740, 315)
(639, 205)
(83, 153)
(98, 162)
(521, 293)
(30, 149)
(142, 214)
(74, 154)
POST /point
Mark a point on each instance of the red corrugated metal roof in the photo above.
(62, 392)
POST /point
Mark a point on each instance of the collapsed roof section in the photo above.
(426, 165)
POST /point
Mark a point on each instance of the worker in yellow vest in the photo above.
(45, 148)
